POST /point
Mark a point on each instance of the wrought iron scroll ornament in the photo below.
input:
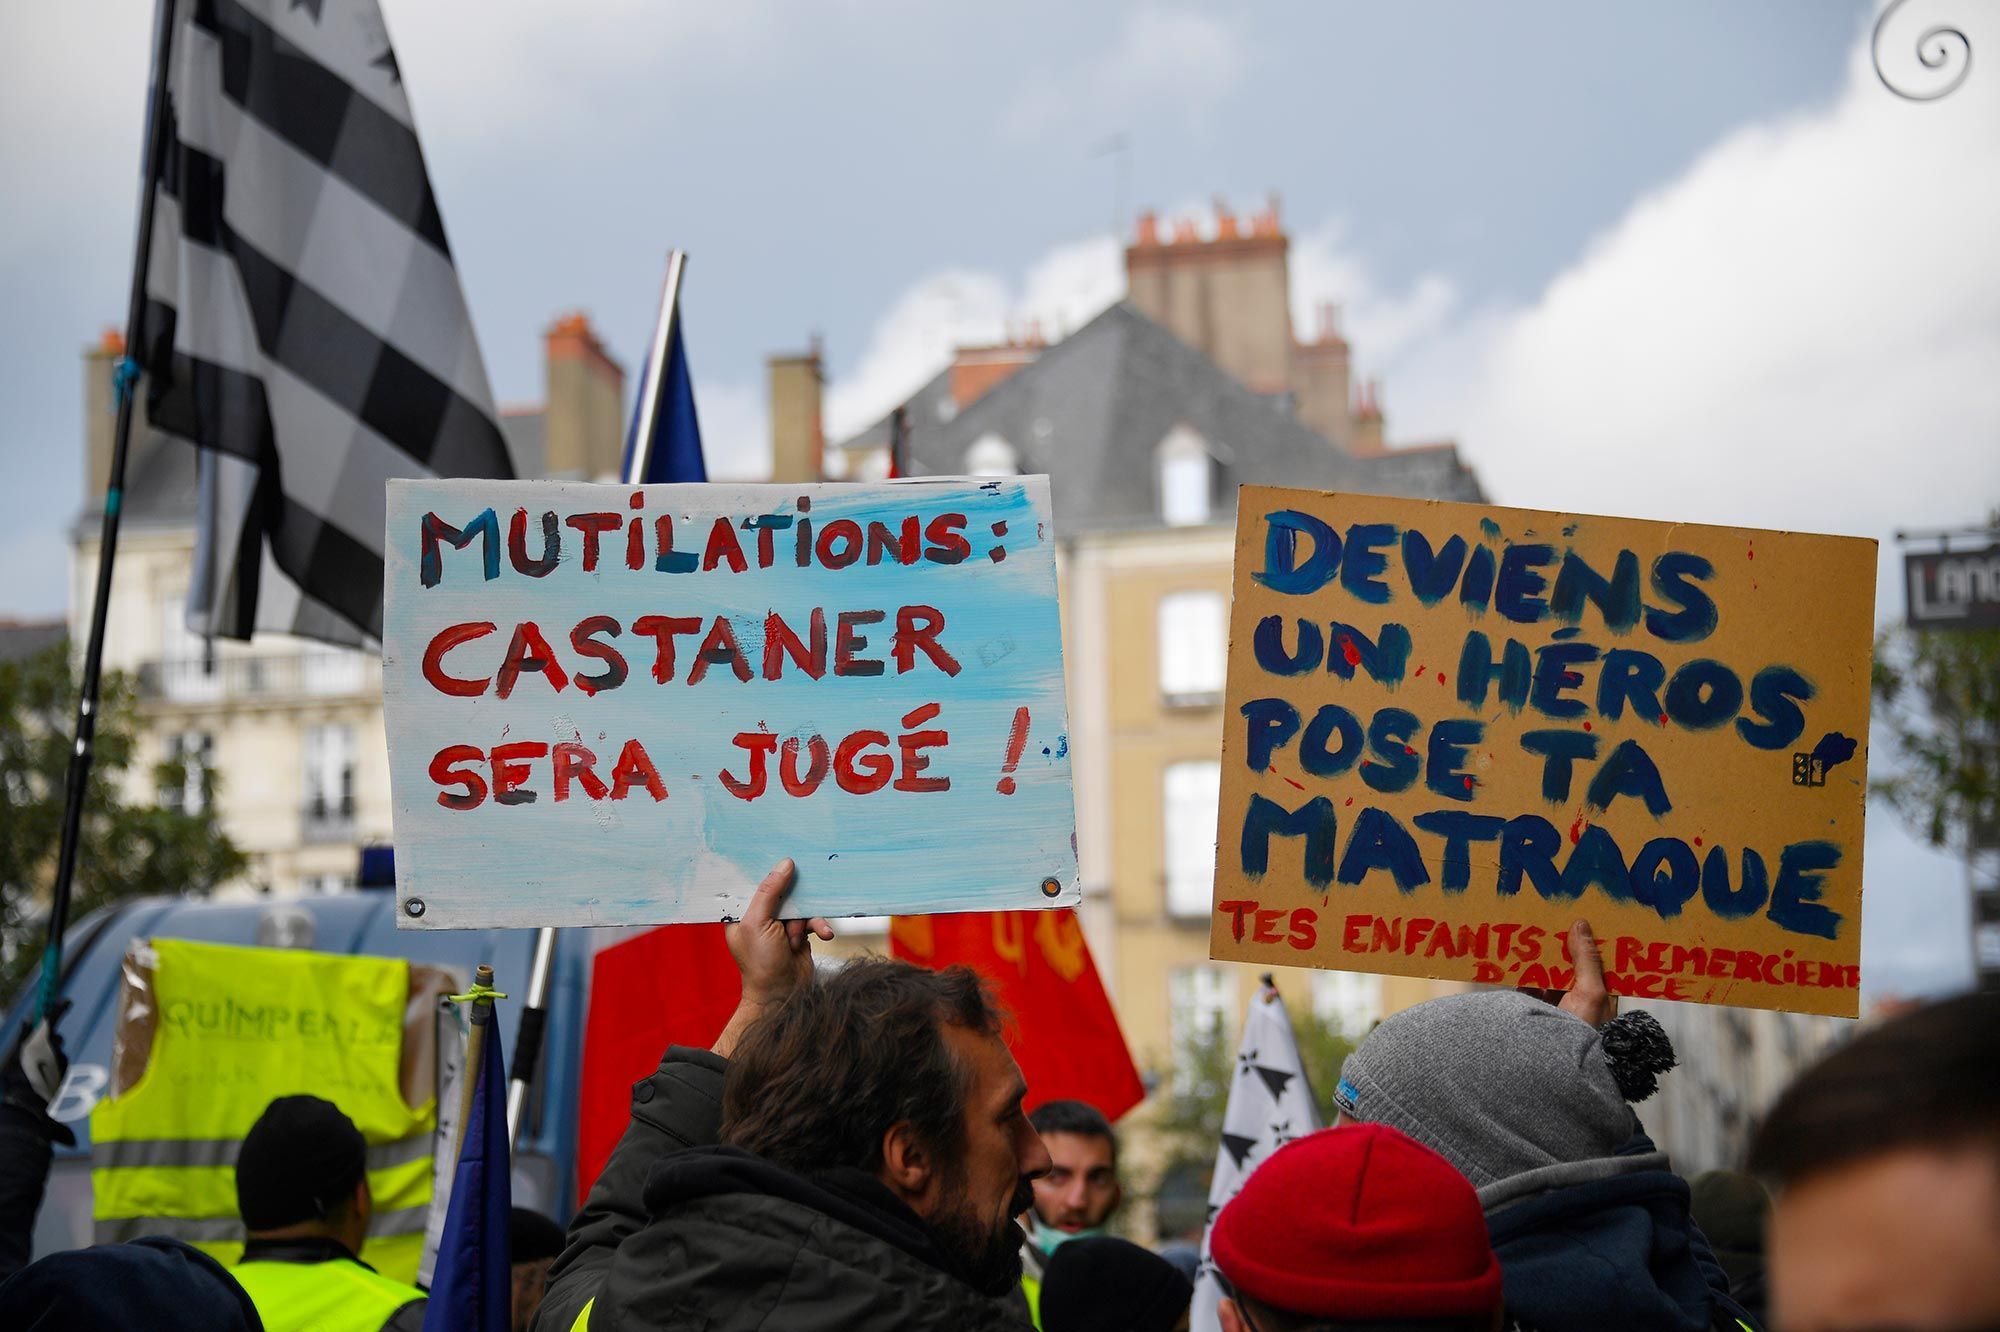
(1940, 48)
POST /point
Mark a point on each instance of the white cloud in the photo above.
(502, 71)
(915, 337)
(1800, 331)
(1382, 326)
(1162, 62)
(735, 430)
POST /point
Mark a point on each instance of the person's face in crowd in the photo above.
(1908, 1241)
(531, 1282)
(991, 1182)
(1081, 1190)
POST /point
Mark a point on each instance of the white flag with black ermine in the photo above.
(304, 324)
(1270, 1103)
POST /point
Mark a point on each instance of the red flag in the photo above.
(675, 985)
(1065, 1035)
(899, 430)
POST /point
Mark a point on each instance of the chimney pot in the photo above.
(1266, 222)
(1225, 220)
(1184, 232)
(1149, 228)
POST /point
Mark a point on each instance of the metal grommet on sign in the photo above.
(1051, 887)
(414, 907)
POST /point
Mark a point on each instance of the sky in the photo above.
(1685, 262)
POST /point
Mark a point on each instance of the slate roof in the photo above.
(162, 489)
(525, 431)
(931, 405)
(22, 639)
(1092, 410)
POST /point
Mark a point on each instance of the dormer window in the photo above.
(990, 455)
(1187, 480)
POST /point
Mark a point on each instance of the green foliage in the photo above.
(1939, 696)
(127, 850)
(1190, 1117)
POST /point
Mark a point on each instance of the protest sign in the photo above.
(621, 705)
(1452, 730)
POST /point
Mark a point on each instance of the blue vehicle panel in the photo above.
(354, 923)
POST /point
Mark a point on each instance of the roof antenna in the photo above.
(1119, 149)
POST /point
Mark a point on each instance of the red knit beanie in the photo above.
(1358, 1222)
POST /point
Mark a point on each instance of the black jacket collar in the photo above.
(303, 1249)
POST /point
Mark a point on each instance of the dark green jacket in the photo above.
(718, 1240)
(678, 1107)
(737, 1244)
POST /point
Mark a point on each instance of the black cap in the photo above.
(300, 1160)
(1100, 1282)
(532, 1236)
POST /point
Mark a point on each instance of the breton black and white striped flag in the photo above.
(1270, 1103)
(304, 324)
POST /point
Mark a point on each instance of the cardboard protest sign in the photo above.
(621, 705)
(1452, 730)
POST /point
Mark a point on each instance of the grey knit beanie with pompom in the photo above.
(1500, 1083)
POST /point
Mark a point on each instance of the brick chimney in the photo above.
(798, 437)
(1321, 385)
(975, 371)
(1227, 295)
(100, 414)
(1366, 441)
(583, 424)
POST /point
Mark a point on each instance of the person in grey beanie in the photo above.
(1531, 1101)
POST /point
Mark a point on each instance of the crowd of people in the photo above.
(854, 1152)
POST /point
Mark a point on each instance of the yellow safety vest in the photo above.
(333, 1296)
(235, 1029)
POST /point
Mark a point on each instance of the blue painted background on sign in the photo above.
(695, 855)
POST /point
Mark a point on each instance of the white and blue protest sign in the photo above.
(614, 705)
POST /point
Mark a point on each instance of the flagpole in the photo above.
(85, 749)
(479, 1019)
(647, 410)
(534, 1011)
(528, 1040)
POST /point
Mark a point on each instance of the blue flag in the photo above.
(675, 429)
(472, 1285)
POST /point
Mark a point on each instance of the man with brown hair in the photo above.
(870, 1155)
(1886, 1161)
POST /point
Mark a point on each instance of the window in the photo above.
(991, 455)
(1186, 479)
(319, 885)
(192, 755)
(329, 782)
(1201, 1007)
(1192, 792)
(1350, 1001)
(1194, 647)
